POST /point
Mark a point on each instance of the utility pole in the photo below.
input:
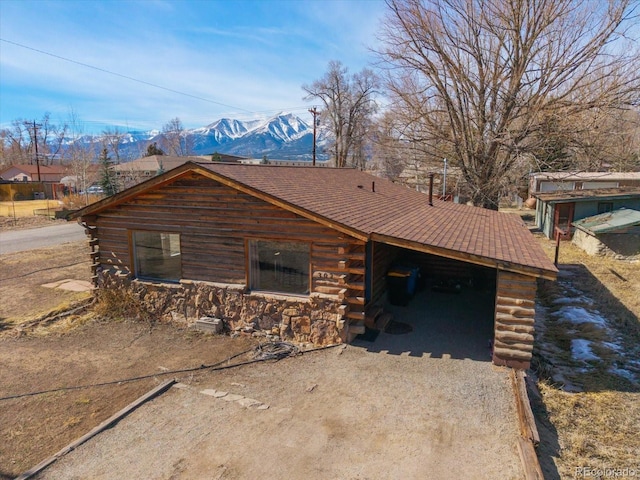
(444, 180)
(35, 142)
(313, 111)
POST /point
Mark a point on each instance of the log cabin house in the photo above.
(304, 252)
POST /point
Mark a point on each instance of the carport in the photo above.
(451, 314)
(464, 306)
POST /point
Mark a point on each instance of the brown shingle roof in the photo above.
(33, 169)
(392, 211)
(394, 214)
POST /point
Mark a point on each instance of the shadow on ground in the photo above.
(549, 447)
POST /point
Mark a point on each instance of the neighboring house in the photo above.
(304, 252)
(616, 232)
(559, 210)
(137, 171)
(20, 182)
(547, 182)
(29, 173)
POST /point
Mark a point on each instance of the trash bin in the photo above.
(402, 283)
(398, 287)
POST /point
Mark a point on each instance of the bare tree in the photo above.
(481, 77)
(80, 154)
(15, 144)
(50, 139)
(112, 140)
(348, 108)
(19, 141)
(175, 139)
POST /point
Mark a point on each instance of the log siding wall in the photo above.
(383, 256)
(214, 222)
(514, 320)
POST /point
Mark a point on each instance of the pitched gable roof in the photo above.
(33, 169)
(369, 207)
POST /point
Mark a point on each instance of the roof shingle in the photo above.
(376, 206)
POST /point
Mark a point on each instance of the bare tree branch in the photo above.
(482, 78)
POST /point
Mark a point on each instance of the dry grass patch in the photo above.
(118, 304)
(597, 430)
(594, 305)
(619, 277)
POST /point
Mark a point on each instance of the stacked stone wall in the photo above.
(315, 319)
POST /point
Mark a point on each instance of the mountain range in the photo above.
(282, 137)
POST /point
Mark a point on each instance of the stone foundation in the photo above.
(315, 319)
(618, 245)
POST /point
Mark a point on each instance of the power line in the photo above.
(123, 76)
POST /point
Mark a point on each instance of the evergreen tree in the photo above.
(153, 149)
(108, 180)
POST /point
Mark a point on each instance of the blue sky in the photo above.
(251, 56)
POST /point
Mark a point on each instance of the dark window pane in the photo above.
(280, 266)
(604, 207)
(157, 255)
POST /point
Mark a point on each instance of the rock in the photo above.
(209, 392)
(232, 397)
(249, 402)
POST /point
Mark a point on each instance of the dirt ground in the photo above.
(33, 427)
(23, 274)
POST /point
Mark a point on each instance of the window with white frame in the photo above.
(279, 266)
(157, 255)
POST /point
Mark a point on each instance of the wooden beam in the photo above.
(280, 203)
(519, 302)
(506, 354)
(509, 337)
(507, 319)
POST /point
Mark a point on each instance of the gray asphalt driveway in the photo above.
(22, 240)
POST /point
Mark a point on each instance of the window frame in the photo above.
(135, 261)
(249, 260)
(605, 207)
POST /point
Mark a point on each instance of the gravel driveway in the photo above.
(346, 412)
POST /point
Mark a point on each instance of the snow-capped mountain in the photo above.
(283, 136)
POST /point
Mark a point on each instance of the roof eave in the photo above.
(131, 192)
(468, 257)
